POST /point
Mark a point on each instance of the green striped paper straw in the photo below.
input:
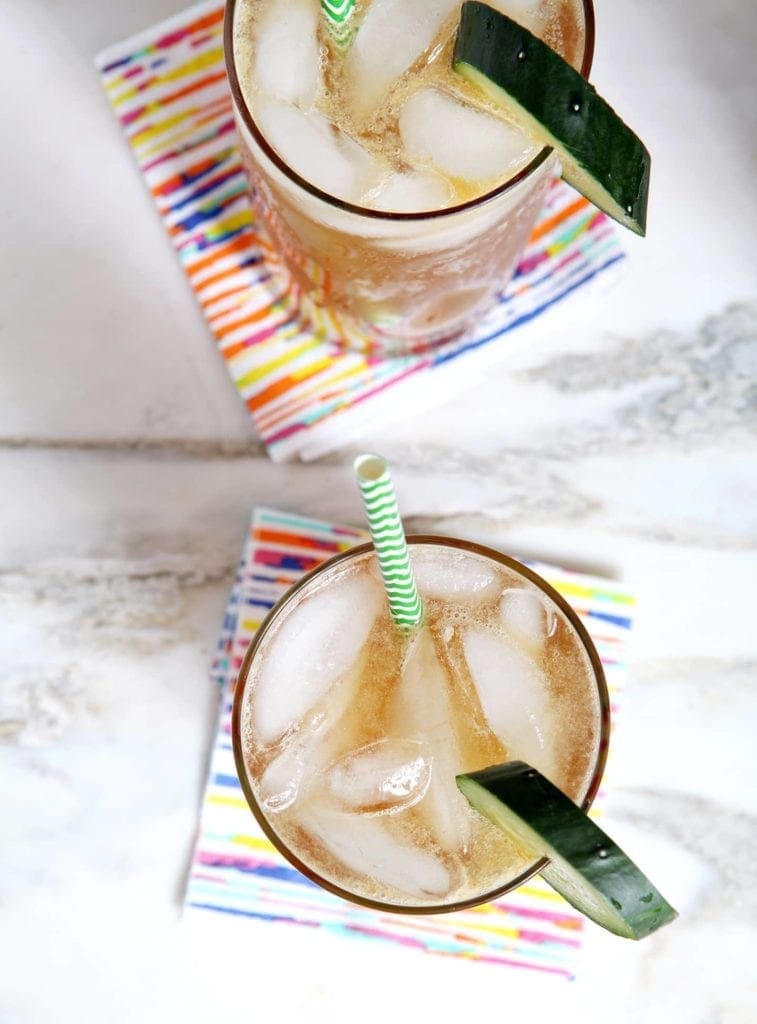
(338, 14)
(389, 539)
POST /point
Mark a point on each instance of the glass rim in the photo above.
(241, 685)
(244, 112)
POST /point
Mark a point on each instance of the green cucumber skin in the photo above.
(592, 141)
(638, 907)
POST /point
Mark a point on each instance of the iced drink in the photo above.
(398, 196)
(349, 731)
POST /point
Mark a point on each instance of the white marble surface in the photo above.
(624, 444)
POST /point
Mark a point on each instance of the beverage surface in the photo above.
(384, 122)
(353, 730)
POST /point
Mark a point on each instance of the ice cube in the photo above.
(461, 141)
(410, 192)
(382, 777)
(279, 784)
(368, 847)
(287, 59)
(391, 37)
(526, 617)
(422, 709)
(291, 773)
(454, 575)
(313, 648)
(318, 151)
(513, 694)
(529, 13)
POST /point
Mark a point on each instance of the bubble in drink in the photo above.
(353, 764)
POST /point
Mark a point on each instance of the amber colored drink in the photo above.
(398, 198)
(349, 731)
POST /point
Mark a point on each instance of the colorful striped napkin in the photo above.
(236, 870)
(307, 394)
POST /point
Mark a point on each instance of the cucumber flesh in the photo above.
(601, 157)
(585, 866)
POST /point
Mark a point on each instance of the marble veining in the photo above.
(716, 842)
(62, 621)
(623, 444)
(690, 389)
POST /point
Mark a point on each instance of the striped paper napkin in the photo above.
(236, 870)
(307, 395)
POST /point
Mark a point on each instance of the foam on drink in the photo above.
(387, 125)
(357, 775)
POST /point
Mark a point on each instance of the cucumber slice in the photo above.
(600, 155)
(585, 866)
